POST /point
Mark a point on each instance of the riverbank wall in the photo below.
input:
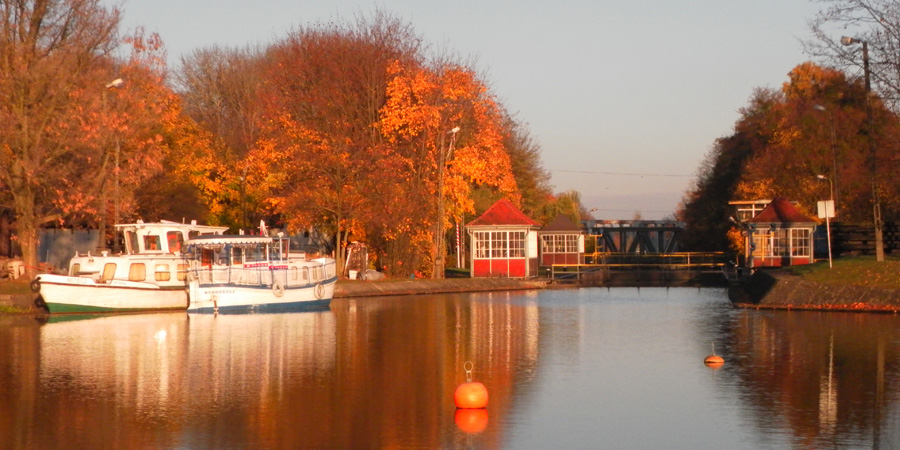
(24, 303)
(777, 289)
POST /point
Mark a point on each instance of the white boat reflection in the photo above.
(155, 364)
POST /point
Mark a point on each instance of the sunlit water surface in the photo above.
(566, 369)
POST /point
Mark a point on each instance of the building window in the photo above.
(499, 244)
(800, 242)
(559, 243)
(516, 244)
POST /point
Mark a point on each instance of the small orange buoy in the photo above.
(471, 421)
(715, 361)
(470, 394)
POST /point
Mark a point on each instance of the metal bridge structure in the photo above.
(635, 236)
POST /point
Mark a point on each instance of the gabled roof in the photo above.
(562, 222)
(503, 213)
(781, 211)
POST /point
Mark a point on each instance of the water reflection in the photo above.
(588, 368)
(828, 379)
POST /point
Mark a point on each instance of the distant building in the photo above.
(779, 235)
(503, 242)
(562, 242)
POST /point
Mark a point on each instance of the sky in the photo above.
(625, 98)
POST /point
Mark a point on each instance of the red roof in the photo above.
(561, 223)
(503, 213)
(781, 211)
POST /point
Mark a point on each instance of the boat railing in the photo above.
(292, 275)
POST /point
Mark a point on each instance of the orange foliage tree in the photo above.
(423, 108)
(815, 125)
(52, 57)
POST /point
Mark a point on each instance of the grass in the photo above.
(854, 271)
(19, 286)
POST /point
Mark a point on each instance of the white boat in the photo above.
(150, 275)
(255, 273)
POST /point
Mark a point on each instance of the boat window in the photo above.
(294, 273)
(237, 256)
(182, 272)
(109, 272)
(131, 241)
(73, 272)
(175, 239)
(162, 272)
(151, 243)
(255, 253)
(193, 233)
(137, 272)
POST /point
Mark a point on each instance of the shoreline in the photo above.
(355, 289)
(780, 290)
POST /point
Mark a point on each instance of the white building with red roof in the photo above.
(780, 235)
(503, 242)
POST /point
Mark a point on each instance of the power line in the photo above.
(623, 173)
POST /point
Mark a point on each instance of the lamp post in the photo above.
(836, 191)
(876, 204)
(826, 209)
(438, 271)
(115, 84)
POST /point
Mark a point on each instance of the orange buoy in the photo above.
(471, 421)
(715, 361)
(470, 394)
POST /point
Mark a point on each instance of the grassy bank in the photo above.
(854, 271)
(20, 286)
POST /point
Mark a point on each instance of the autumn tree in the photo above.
(448, 129)
(815, 125)
(220, 90)
(316, 162)
(875, 21)
(54, 54)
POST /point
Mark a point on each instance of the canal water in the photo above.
(618, 368)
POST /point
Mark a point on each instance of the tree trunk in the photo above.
(27, 226)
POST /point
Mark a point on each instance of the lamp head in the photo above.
(454, 130)
(821, 177)
(118, 82)
(846, 40)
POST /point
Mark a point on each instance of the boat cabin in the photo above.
(162, 237)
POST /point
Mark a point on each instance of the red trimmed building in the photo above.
(562, 242)
(780, 236)
(503, 242)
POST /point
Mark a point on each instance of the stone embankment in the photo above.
(445, 286)
(776, 289)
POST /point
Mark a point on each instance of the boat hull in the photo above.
(224, 298)
(63, 294)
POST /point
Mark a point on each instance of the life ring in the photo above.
(319, 291)
(36, 285)
(277, 288)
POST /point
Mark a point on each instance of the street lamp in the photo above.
(826, 210)
(439, 227)
(836, 192)
(115, 84)
(876, 204)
